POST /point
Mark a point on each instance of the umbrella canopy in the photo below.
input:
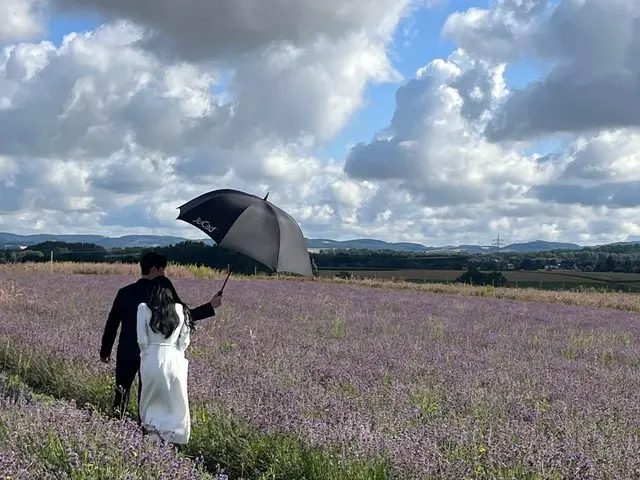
(252, 226)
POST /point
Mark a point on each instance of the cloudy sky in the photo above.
(436, 121)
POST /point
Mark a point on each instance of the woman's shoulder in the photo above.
(143, 307)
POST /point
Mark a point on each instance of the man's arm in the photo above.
(205, 310)
(111, 327)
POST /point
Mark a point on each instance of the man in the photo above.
(124, 311)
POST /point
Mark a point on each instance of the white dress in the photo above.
(164, 402)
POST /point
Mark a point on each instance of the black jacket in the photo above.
(124, 311)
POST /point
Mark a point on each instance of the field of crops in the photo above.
(553, 279)
(291, 376)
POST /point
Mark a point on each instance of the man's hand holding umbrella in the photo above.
(216, 301)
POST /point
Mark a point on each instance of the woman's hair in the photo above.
(162, 297)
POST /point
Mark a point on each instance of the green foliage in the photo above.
(474, 276)
(65, 252)
(388, 259)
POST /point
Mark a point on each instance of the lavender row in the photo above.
(440, 385)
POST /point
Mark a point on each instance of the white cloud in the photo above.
(594, 48)
(503, 32)
(312, 90)
(21, 19)
(111, 130)
(137, 124)
(433, 145)
(611, 156)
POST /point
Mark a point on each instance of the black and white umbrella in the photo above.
(252, 226)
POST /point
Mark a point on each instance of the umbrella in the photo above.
(252, 226)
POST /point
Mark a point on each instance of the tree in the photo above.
(476, 277)
(609, 264)
(528, 264)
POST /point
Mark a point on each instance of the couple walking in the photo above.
(155, 332)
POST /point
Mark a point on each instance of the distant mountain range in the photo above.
(10, 240)
(537, 246)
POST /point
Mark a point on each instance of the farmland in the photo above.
(551, 280)
(394, 381)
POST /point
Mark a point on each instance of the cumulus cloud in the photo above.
(503, 32)
(124, 123)
(616, 195)
(600, 171)
(21, 19)
(430, 146)
(224, 28)
(314, 90)
(135, 121)
(611, 156)
(594, 46)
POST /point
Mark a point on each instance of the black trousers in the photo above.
(126, 371)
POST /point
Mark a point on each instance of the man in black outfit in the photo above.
(124, 311)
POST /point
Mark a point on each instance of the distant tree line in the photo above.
(611, 258)
(360, 259)
(623, 258)
(194, 253)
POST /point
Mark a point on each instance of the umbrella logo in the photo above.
(205, 225)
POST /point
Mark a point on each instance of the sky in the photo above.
(433, 121)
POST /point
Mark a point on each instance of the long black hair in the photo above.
(162, 298)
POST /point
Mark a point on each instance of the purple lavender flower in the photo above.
(56, 440)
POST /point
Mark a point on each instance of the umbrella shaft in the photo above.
(229, 274)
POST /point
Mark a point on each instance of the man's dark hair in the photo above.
(150, 260)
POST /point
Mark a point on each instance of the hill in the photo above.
(540, 246)
(11, 240)
(364, 243)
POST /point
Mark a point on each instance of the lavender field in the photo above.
(401, 384)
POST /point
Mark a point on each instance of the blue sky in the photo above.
(62, 25)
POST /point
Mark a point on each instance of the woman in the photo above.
(164, 328)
